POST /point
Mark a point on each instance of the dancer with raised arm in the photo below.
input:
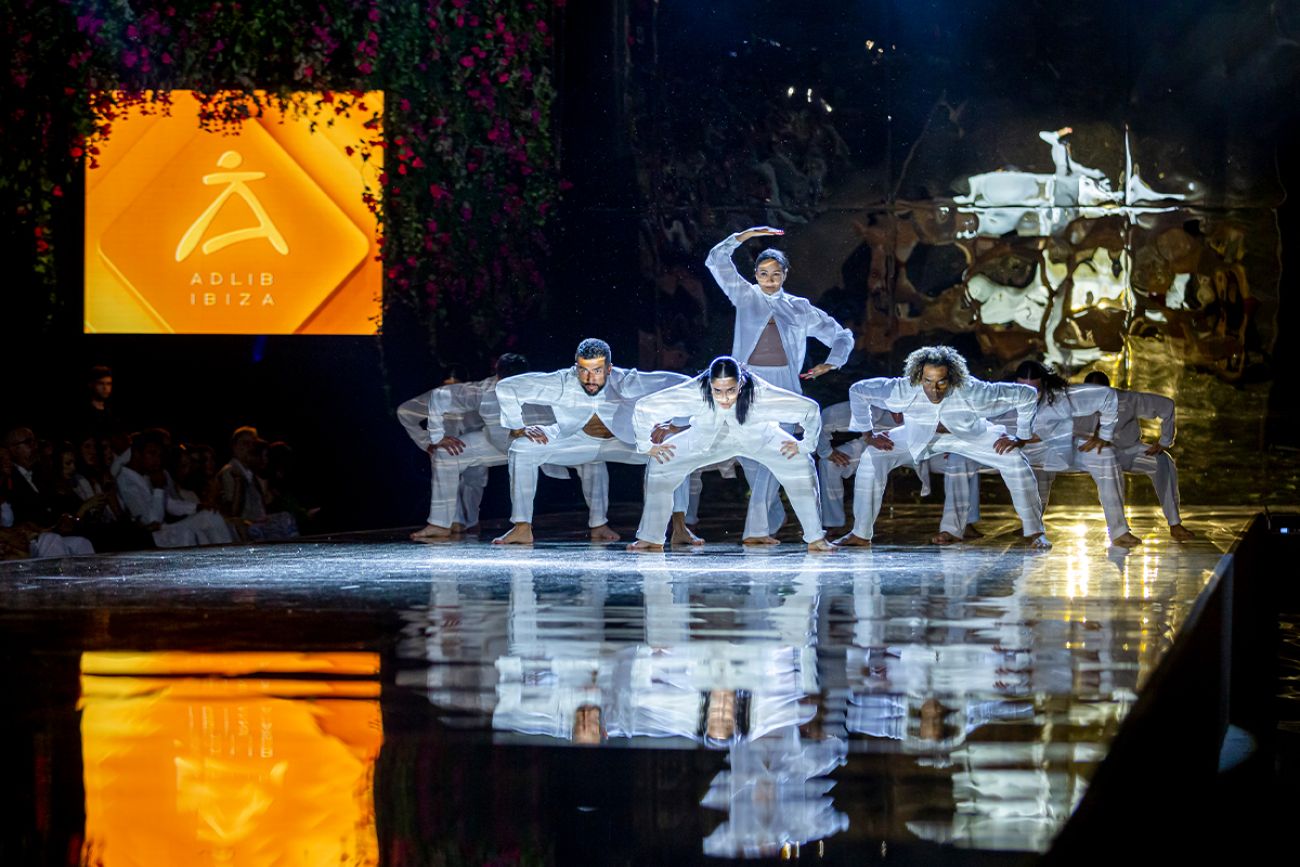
(771, 338)
(592, 401)
(945, 410)
(731, 413)
(1135, 456)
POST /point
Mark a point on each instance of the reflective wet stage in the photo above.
(363, 703)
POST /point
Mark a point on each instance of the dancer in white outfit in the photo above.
(1136, 456)
(839, 462)
(1054, 449)
(945, 410)
(592, 401)
(771, 337)
(731, 413)
(462, 433)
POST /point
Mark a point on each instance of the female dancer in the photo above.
(772, 330)
(731, 413)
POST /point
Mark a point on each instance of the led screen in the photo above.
(263, 230)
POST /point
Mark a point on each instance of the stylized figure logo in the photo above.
(237, 185)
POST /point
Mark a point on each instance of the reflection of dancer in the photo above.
(944, 409)
(592, 401)
(1136, 456)
(732, 414)
(771, 336)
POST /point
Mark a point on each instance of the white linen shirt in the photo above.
(1054, 423)
(796, 318)
(573, 407)
(964, 411)
(770, 408)
(1133, 406)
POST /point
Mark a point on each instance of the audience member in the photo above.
(242, 492)
(174, 523)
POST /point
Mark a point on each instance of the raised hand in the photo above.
(758, 231)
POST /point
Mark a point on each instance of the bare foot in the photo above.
(1181, 533)
(604, 534)
(643, 547)
(430, 531)
(520, 534)
(852, 541)
(1039, 540)
(682, 534)
(944, 538)
(820, 546)
(971, 533)
(1128, 540)
(760, 540)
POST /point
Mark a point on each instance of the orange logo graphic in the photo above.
(276, 240)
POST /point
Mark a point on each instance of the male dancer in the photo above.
(945, 410)
(771, 338)
(1134, 455)
(463, 436)
(592, 401)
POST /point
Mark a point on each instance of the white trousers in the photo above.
(53, 545)
(832, 478)
(798, 475)
(526, 457)
(458, 482)
(765, 514)
(1103, 466)
(202, 528)
(1163, 474)
(726, 469)
(874, 468)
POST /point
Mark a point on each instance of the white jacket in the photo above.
(796, 318)
(771, 407)
(573, 407)
(964, 411)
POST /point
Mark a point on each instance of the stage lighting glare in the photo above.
(790, 92)
(871, 43)
(810, 94)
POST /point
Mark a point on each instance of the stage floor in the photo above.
(341, 699)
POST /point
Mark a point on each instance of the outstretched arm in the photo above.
(412, 414)
(823, 327)
(681, 400)
(723, 268)
(991, 399)
(1158, 406)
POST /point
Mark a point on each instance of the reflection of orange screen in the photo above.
(261, 232)
(213, 758)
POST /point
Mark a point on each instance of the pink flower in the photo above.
(130, 59)
(374, 14)
(364, 67)
(467, 62)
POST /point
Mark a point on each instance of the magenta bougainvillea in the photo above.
(469, 162)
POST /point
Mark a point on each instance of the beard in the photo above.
(587, 387)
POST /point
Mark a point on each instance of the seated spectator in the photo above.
(283, 487)
(242, 493)
(90, 467)
(174, 523)
(48, 531)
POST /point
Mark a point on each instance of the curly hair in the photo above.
(936, 356)
(594, 347)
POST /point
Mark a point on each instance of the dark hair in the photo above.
(726, 367)
(1052, 385)
(510, 364)
(776, 256)
(454, 370)
(1097, 377)
(152, 436)
(936, 356)
(594, 347)
(98, 372)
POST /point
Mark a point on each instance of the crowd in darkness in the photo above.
(87, 483)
